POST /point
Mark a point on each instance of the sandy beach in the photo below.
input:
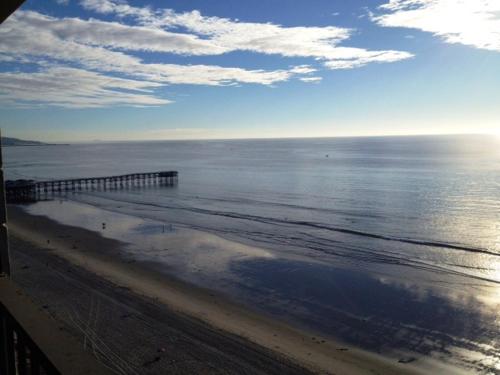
(137, 320)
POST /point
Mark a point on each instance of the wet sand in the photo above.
(219, 335)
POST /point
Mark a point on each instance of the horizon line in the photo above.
(258, 138)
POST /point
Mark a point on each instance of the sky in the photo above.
(84, 70)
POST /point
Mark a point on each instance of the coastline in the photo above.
(101, 256)
(35, 145)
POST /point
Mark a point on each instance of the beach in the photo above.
(388, 245)
(108, 300)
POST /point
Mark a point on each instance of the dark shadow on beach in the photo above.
(368, 312)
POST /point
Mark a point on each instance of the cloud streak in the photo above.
(53, 42)
(76, 44)
(473, 23)
(107, 63)
(87, 89)
(321, 43)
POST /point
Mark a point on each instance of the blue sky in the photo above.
(79, 70)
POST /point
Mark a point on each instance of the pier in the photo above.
(30, 190)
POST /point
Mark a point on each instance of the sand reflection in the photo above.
(181, 249)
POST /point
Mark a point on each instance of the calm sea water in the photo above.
(388, 243)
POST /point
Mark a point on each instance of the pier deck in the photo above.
(28, 190)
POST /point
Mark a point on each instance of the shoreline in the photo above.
(79, 247)
(35, 145)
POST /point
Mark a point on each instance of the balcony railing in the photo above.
(18, 353)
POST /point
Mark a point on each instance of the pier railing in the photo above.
(30, 190)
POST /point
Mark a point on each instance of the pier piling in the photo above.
(30, 190)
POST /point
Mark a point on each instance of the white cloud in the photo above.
(345, 61)
(303, 69)
(120, 8)
(74, 43)
(470, 22)
(321, 43)
(55, 41)
(115, 35)
(311, 79)
(74, 88)
(120, 50)
(16, 39)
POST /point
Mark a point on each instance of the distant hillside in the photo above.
(6, 141)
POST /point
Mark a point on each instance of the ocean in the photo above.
(391, 244)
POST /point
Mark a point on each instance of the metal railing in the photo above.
(4, 242)
(19, 355)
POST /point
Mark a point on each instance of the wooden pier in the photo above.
(30, 190)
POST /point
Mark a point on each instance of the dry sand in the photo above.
(286, 349)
